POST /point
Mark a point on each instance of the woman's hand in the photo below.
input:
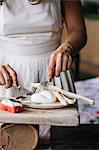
(8, 76)
(60, 60)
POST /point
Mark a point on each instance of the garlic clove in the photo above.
(41, 99)
(49, 95)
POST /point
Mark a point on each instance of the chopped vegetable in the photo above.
(11, 105)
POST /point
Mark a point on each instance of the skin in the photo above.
(8, 76)
(60, 59)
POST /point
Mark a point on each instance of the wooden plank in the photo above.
(58, 117)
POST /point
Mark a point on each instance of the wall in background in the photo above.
(90, 54)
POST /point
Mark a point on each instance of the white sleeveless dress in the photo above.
(28, 35)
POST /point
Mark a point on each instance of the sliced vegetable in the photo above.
(11, 105)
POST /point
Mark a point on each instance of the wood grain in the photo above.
(68, 116)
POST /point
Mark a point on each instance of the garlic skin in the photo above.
(44, 97)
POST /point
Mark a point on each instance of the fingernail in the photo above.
(57, 74)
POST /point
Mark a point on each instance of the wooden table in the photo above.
(68, 116)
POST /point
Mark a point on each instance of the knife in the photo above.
(23, 91)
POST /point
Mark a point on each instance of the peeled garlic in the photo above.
(44, 97)
(49, 95)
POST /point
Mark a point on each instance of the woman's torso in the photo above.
(26, 24)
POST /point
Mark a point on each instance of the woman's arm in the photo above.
(61, 58)
(72, 14)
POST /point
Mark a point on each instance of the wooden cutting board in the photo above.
(68, 116)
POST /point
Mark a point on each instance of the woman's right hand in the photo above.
(8, 76)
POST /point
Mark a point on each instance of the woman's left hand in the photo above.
(60, 60)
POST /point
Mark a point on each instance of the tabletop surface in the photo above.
(68, 116)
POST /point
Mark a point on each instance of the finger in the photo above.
(51, 67)
(63, 48)
(69, 62)
(58, 64)
(60, 49)
(12, 74)
(6, 76)
(64, 62)
(2, 80)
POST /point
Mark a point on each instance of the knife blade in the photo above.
(23, 91)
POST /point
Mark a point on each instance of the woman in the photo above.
(30, 41)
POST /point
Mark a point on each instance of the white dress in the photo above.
(28, 35)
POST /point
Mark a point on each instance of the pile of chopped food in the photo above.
(11, 105)
(49, 95)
